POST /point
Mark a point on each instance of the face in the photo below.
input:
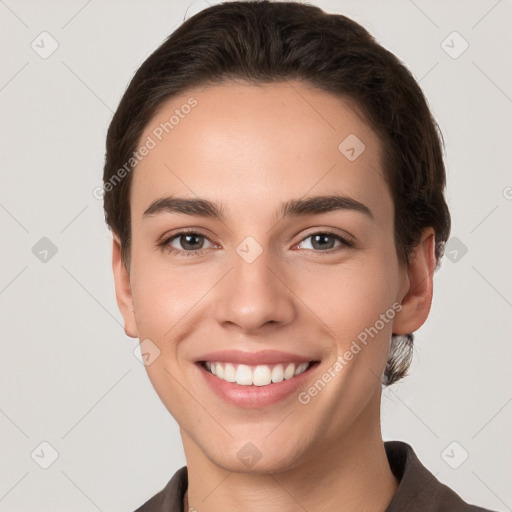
(264, 276)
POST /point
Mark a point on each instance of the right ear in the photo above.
(123, 289)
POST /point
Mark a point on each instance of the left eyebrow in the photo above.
(323, 204)
(293, 208)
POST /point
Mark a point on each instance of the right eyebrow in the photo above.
(197, 207)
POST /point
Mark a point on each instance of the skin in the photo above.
(252, 147)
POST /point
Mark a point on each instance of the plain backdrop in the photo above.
(69, 377)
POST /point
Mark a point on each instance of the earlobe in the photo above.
(123, 289)
(417, 297)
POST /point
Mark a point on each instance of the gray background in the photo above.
(69, 376)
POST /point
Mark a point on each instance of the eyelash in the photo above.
(164, 245)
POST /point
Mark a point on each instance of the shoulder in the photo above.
(170, 498)
(419, 489)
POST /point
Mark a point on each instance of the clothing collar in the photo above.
(418, 488)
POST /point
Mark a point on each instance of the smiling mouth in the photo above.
(258, 375)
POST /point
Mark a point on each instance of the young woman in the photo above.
(274, 184)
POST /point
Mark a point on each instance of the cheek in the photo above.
(168, 298)
(350, 297)
(160, 296)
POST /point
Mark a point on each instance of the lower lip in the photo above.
(254, 397)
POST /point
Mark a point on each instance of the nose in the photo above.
(255, 295)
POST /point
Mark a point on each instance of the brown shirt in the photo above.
(418, 491)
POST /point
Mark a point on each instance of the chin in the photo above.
(256, 455)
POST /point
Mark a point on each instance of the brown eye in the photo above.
(186, 243)
(191, 241)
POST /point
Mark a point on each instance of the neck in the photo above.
(353, 474)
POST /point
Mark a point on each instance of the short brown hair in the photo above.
(263, 42)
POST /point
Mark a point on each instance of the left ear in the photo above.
(418, 286)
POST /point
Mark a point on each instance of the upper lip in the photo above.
(253, 358)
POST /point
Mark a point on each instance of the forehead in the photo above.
(242, 144)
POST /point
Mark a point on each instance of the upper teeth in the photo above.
(260, 375)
